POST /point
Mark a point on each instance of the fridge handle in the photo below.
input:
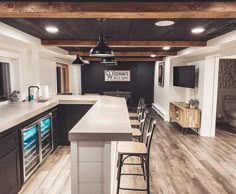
(29, 126)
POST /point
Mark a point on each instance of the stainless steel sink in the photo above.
(42, 100)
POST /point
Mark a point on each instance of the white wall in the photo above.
(75, 79)
(48, 75)
(161, 93)
(206, 60)
(33, 64)
(170, 93)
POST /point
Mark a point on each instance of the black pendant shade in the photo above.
(101, 49)
(78, 61)
(108, 60)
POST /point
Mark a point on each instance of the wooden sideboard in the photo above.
(186, 117)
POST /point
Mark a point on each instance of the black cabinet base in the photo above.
(10, 178)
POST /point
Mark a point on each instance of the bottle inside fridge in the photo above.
(46, 135)
(37, 141)
(31, 155)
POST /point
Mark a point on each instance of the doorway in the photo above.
(63, 85)
(226, 97)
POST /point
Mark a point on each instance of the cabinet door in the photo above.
(56, 129)
(10, 181)
(69, 116)
(74, 114)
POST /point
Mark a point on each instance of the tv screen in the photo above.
(184, 76)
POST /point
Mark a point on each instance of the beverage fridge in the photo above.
(37, 141)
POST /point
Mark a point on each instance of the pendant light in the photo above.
(78, 61)
(101, 49)
(108, 60)
(111, 64)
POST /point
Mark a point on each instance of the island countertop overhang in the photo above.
(107, 120)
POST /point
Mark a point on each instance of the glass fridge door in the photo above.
(31, 156)
(46, 135)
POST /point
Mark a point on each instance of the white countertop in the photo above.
(107, 119)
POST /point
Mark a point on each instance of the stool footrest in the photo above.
(132, 174)
(132, 164)
(132, 189)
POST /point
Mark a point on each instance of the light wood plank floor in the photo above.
(179, 164)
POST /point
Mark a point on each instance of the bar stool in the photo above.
(135, 114)
(136, 122)
(136, 149)
(138, 132)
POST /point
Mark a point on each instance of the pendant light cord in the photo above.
(101, 25)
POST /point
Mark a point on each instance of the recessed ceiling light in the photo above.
(164, 23)
(51, 29)
(153, 55)
(166, 48)
(198, 30)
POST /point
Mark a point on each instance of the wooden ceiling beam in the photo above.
(14, 9)
(128, 54)
(133, 44)
(124, 59)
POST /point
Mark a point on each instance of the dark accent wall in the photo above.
(141, 84)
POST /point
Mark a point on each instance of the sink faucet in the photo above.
(29, 91)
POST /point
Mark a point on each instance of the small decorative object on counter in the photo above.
(187, 105)
(14, 97)
(193, 103)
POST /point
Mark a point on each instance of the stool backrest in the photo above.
(149, 134)
(141, 112)
(143, 121)
(140, 103)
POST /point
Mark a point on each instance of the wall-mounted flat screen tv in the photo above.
(184, 76)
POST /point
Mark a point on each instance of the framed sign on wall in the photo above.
(117, 76)
(161, 72)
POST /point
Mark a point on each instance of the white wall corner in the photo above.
(162, 93)
(210, 83)
(18, 35)
(223, 39)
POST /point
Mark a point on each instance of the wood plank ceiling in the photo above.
(128, 37)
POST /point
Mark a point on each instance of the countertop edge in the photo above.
(45, 107)
(73, 136)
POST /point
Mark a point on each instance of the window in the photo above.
(5, 86)
(62, 78)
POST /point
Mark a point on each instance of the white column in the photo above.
(91, 167)
(74, 167)
(209, 98)
(107, 168)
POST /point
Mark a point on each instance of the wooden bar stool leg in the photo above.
(143, 167)
(118, 167)
(148, 175)
(119, 173)
(118, 160)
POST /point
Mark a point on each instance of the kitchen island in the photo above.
(93, 138)
(93, 145)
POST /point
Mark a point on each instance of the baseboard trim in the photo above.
(161, 112)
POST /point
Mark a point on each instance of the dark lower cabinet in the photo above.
(69, 115)
(64, 118)
(56, 127)
(10, 178)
